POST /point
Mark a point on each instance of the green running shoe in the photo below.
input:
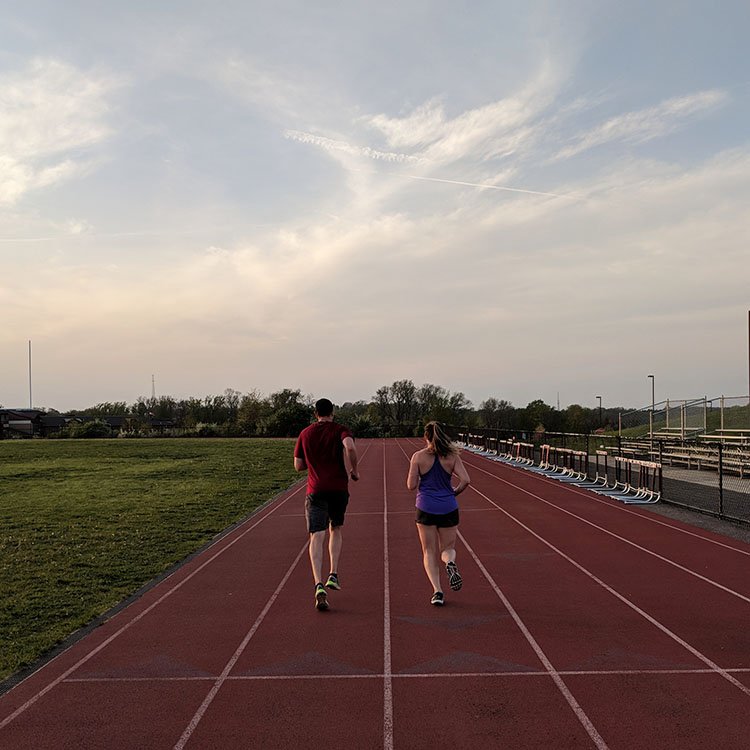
(333, 582)
(321, 598)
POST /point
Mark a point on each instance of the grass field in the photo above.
(84, 523)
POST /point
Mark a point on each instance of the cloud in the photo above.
(501, 129)
(645, 124)
(52, 115)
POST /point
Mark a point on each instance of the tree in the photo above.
(537, 415)
(579, 419)
(288, 414)
(432, 402)
(404, 402)
(383, 405)
(496, 413)
(251, 412)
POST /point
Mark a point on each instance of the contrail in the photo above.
(330, 145)
(109, 235)
(484, 185)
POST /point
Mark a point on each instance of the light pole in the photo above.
(651, 414)
(653, 401)
(600, 410)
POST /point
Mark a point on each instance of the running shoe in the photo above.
(321, 598)
(333, 582)
(454, 577)
(437, 599)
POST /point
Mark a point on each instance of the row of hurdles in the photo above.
(628, 480)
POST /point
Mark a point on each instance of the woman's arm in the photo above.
(412, 478)
(463, 476)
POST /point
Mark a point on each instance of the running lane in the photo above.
(465, 675)
(229, 651)
(654, 653)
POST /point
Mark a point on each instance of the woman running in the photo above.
(430, 472)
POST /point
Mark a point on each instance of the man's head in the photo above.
(323, 408)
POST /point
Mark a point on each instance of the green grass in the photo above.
(84, 523)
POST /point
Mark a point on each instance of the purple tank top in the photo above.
(435, 494)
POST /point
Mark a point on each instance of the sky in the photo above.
(517, 200)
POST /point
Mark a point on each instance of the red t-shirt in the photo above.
(321, 447)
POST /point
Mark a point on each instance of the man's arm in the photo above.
(350, 458)
(299, 457)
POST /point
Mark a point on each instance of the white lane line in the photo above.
(233, 660)
(581, 715)
(620, 508)
(230, 664)
(702, 657)
(677, 565)
(31, 701)
(387, 676)
(419, 675)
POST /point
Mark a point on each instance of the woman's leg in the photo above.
(428, 536)
(447, 537)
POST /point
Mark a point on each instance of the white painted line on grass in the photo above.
(702, 657)
(616, 536)
(230, 664)
(581, 715)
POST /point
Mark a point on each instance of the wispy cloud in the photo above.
(500, 129)
(52, 113)
(645, 124)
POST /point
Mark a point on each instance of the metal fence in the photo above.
(686, 418)
(709, 477)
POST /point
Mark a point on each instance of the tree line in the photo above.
(399, 409)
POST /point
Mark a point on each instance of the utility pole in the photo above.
(31, 400)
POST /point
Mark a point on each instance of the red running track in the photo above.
(582, 623)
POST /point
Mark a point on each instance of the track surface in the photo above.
(582, 623)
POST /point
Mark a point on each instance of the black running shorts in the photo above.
(441, 520)
(324, 508)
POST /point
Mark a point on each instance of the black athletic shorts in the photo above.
(324, 508)
(441, 520)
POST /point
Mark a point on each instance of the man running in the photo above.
(326, 450)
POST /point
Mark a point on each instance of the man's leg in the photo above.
(335, 540)
(317, 545)
(336, 512)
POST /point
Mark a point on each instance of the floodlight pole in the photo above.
(653, 408)
(600, 410)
